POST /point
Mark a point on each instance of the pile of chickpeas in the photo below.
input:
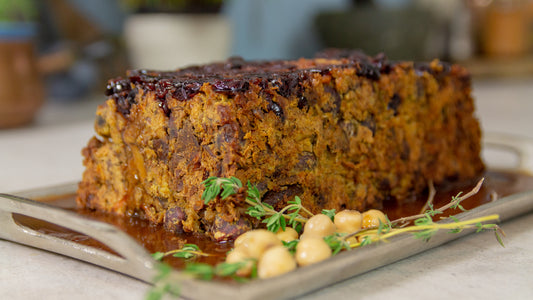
(273, 259)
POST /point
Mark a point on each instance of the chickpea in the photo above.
(348, 221)
(275, 261)
(238, 241)
(312, 250)
(288, 235)
(352, 240)
(372, 217)
(254, 242)
(303, 236)
(319, 225)
(237, 256)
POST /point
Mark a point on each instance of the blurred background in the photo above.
(56, 56)
(60, 52)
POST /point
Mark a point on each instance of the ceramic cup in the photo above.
(21, 88)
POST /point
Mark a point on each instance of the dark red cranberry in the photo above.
(394, 103)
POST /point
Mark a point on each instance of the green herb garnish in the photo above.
(186, 252)
(294, 214)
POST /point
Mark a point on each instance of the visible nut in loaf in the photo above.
(342, 131)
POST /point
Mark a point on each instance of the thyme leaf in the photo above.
(329, 212)
(291, 246)
(163, 284)
(215, 185)
(200, 270)
(158, 255)
(337, 243)
(367, 240)
(207, 272)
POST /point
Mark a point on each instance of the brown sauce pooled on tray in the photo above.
(154, 238)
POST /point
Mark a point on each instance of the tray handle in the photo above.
(134, 260)
(520, 146)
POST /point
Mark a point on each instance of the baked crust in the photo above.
(342, 130)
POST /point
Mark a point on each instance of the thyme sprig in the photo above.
(337, 243)
(207, 272)
(431, 196)
(167, 282)
(423, 225)
(295, 214)
(187, 251)
(164, 284)
(291, 212)
(455, 203)
(214, 185)
(425, 229)
(289, 215)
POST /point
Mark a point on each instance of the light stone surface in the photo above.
(474, 267)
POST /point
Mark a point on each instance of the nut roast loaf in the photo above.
(341, 130)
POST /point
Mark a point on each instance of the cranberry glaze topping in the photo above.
(235, 76)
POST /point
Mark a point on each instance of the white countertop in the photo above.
(48, 153)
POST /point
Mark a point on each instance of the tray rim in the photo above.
(316, 276)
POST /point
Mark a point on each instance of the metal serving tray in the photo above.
(135, 261)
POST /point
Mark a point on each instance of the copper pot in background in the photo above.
(21, 87)
(504, 27)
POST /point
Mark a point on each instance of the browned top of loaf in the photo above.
(236, 74)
